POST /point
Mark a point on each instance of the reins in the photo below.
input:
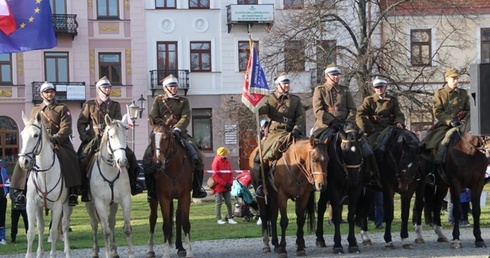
(481, 142)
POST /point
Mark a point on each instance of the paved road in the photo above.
(251, 248)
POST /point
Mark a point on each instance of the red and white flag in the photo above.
(255, 84)
(7, 22)
(130, 122)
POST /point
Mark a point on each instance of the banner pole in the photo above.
(259, 145)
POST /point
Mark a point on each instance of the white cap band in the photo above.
(333, 70)
(282, 78)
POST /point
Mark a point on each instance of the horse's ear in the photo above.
(39, 116)
(124, 120)
(107, 119)
(152, 122)
(25, 118)
(313, 141)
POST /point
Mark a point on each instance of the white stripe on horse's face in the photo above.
(353, 148)
(158, 138)
(117, 138)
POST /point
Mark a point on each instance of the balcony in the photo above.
(156, 76)
(65, 24)
(65, 91)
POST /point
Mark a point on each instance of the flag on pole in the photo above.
(26, 25)
(130, 121)
(255, 84)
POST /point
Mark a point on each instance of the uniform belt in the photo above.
(336, 109)
(98, 126)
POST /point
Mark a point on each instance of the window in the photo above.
(56, 66)
(202, 128)
(58, 6)
(198, 4)
(108, 9)
(110, 66)
(244, 53)
(165, 4)
(421, 47)
(248, 2)
(6, 69)
(485, 45)
(325, 55)
(293, 4)
(167, 62)
(201, 56)
(294, 56)
(9, 135)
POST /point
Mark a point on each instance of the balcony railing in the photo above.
(156, 76)
(65, 91)
(65, 24)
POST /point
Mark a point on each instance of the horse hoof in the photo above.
(407, 246)
(367, 243)
(442, 240)
(301, 253)
(277, 250)
(182, 253)
(338, 250)
(115, 256)
(456, 245)
(419, 241)
(150, 255)
(95, 256)
(354, 250)
(266, 249)
(320, 244)
(282, 255)
(480, 244)
(390, 247)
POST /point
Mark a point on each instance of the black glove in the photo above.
(296, 133)
(53, 141)
(178, 134)
(337, 124)
(228, 186)
(455, 122)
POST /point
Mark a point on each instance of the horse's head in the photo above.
(318, 162)
(350, 137)
(405, 155)
(162, 140)
(34, 137)
(115, 137)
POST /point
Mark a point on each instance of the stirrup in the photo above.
(199, 193)
(136, 188)
(86, 196)
(430, 179)
(73, 200)
(259, 192)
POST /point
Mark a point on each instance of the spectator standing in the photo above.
(4, 189)
(16, 212)
(224, 182)
(465, 198)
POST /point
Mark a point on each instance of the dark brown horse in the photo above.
(464, 168)
(173, 181)
(344, 179)
(301, 170)
(398, 168)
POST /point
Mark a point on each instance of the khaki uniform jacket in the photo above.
(59, 127)
(375, 114)
(175, 108)
(91, 121)
(330, 103)
(284, 113)
(447, 104)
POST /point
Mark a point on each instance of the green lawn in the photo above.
(204, 226)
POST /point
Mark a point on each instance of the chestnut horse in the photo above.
(300, 171)
(173, 180)
(465, 167)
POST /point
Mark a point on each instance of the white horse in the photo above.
(109, 185)
(46, 187)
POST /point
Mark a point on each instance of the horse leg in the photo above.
(301, 204)
(405, 213)
(437, 199)
(94, 223)
(321, 208)
(178, 231)
(31, 232)
(336, 217)
(476, 212)
(419, 205)
(265, 225)
(388, 195)
(54, 230)
(167, 226)
(282, 202)
(112, 224)
(365, 203)
(65, 224)
(150, 253)
(102, 212)
(40, 231)
(273, 210)
(354, 194)
(457, 211)
(185, 205)
(126, 207)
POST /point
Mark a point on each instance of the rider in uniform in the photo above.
(91, 125)
(57, 120)
(175, 109)
(286, 115)
(451, 107)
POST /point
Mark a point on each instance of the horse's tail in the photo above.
(310, 212)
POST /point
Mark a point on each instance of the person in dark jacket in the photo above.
(224, 180)
(4, 190)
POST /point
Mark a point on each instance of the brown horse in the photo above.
(173, 180)
(464, 168)
(301, 170)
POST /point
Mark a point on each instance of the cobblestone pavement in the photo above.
(252, 248)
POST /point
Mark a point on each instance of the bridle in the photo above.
(169, 154)
(37, 150)
(482, 142)
(350, 139)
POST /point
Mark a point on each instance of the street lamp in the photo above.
(133, 113)
(142, 104)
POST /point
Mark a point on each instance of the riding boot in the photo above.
(85, 188)
(73, 198)
(150, 186)
(148, 164)
(197, 190)
(133, 171)
(192, 152)
(259, 192)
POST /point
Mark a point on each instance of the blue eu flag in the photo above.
(34, 27)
